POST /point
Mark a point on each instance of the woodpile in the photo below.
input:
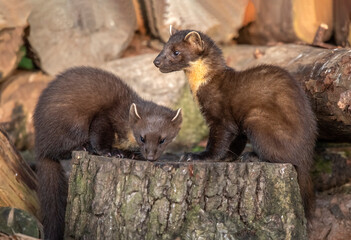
(60, 34)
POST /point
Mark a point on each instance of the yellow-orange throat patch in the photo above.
(125, 144)
(196, 74)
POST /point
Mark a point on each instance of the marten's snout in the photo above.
(150, 155)
(157, 62)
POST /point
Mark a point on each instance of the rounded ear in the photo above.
(178, 117)
(194, 38)
(133, 113)
(172, 30)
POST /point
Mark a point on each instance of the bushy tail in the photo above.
(53, 197)
(306, 189)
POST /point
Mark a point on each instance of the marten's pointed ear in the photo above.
(178, 117)
(172, 30)
(194, 38)
(133, 113)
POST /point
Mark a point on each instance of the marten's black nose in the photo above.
(157, 62)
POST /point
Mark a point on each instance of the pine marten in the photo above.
(89, 108)
(263, 104)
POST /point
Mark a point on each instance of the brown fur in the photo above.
(263, 104)
(90, 108)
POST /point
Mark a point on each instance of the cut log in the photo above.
(332, 216)
(13, 20)
(220, 19)
(19, 95)
(342, 22)
(80, 32)
(18, 182)
(288, 21)
(10, 55)
(16, 224)
(324, 73)
(14, 13)
(112, 198)
(139, 17)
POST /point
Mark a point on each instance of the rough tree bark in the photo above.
(325, 74)
(112, 198)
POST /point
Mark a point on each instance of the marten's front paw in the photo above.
(186, 157)
(104, 152)
(117, 153)
(249, 157)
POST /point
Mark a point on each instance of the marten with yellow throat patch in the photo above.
(264, 104)
(90, 108)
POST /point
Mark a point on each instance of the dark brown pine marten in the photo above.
(88, 108)
(263, 104)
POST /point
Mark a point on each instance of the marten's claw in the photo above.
(117, 153)
(187, 157)
(184, 158)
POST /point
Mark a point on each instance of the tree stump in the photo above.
(112, 198)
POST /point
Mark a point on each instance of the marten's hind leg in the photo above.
(237, 146)
(101, 136)
(280, 147)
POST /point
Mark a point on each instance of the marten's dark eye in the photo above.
(162, 141)
(142, 139)
(176, 53)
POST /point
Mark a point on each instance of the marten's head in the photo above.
(193, 52)
(154, 127)
(182, 48)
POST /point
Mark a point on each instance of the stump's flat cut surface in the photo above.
(112, 198)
